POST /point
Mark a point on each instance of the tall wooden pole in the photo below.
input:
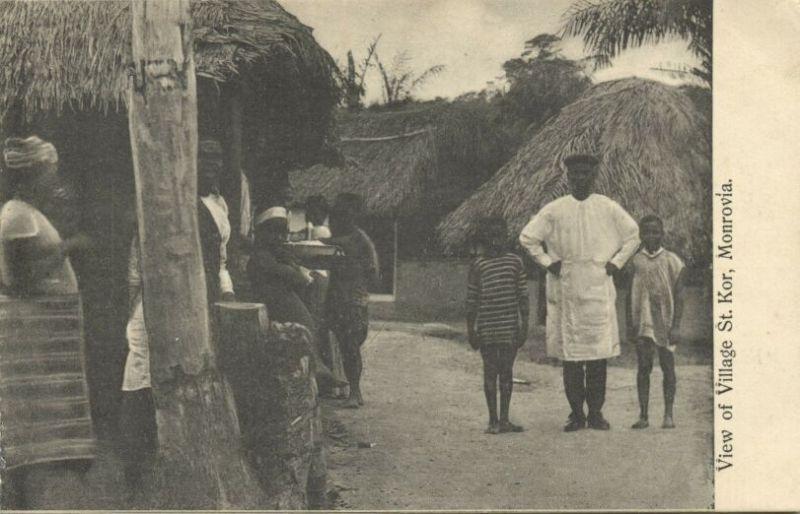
(200, 463)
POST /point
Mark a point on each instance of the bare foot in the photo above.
(507, 426)
(352, 403)
(668, 423)
(642, 423)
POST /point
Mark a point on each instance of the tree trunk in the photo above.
(200, 463)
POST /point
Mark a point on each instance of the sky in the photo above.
(472, 38)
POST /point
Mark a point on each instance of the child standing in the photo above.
(656, 310)
(497, 316)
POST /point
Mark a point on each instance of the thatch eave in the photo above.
(391, 173)
(77, 54)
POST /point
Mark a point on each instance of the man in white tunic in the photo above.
(582, 239)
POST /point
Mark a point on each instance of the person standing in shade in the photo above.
(137, 413)
(214, 225)
(589, 237)
(137, 418)
(316, 210)
(348, 293)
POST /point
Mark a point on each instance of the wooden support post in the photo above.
(200, 463)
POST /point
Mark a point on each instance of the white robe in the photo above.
(219, 211)
(584, 236)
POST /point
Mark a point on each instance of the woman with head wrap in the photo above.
(48, 438)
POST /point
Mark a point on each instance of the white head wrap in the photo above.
(271, 213)
(21, 153)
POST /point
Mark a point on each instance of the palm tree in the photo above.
(399, 82)
(610, 26)
(352, 78)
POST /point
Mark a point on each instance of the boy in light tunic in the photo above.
(588, 237)
(656, 311)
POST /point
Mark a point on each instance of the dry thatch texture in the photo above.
(655, 148)
(419, 159)
(462, 135)
(390, 172)
(77, 53)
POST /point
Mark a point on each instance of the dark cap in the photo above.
(580, 159)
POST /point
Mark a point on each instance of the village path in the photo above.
(425, 415)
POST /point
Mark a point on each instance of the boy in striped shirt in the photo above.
(497, 316)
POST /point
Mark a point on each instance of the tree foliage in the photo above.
(611, 26)
(400, 81)
(352, 77)
(540, 82)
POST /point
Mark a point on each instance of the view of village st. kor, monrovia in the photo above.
(368, 255)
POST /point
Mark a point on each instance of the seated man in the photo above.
(279, 282)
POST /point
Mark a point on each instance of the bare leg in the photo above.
(352, 333)
(666, 360)
(507, 353)
(490, 374)
(644, 356)
(351, 360)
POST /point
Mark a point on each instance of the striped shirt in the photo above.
(497, 289)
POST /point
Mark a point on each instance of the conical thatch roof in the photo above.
(655, 148)
(56, 53)
(391, 173)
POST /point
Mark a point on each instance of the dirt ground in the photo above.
(425, 416)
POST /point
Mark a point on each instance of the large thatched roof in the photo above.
(423, 158)
(392, 173)
(76, 53)
(655, 148)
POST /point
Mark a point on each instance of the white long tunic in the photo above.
(137, 365)
(219, 211)
(584, 236)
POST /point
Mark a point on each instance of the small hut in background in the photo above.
(412, 166)
(266, 91)
(393, 175)
(655, 149)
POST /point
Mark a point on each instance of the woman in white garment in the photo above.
(588, 238)
(137, 419)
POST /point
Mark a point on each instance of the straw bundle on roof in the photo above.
(656, 158)
(390, 172)
(77, 53)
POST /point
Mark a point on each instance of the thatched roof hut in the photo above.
(77, 54)
(390, 173)
(63, 57)
(655, 148)
(265, 89)
(420, 159)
